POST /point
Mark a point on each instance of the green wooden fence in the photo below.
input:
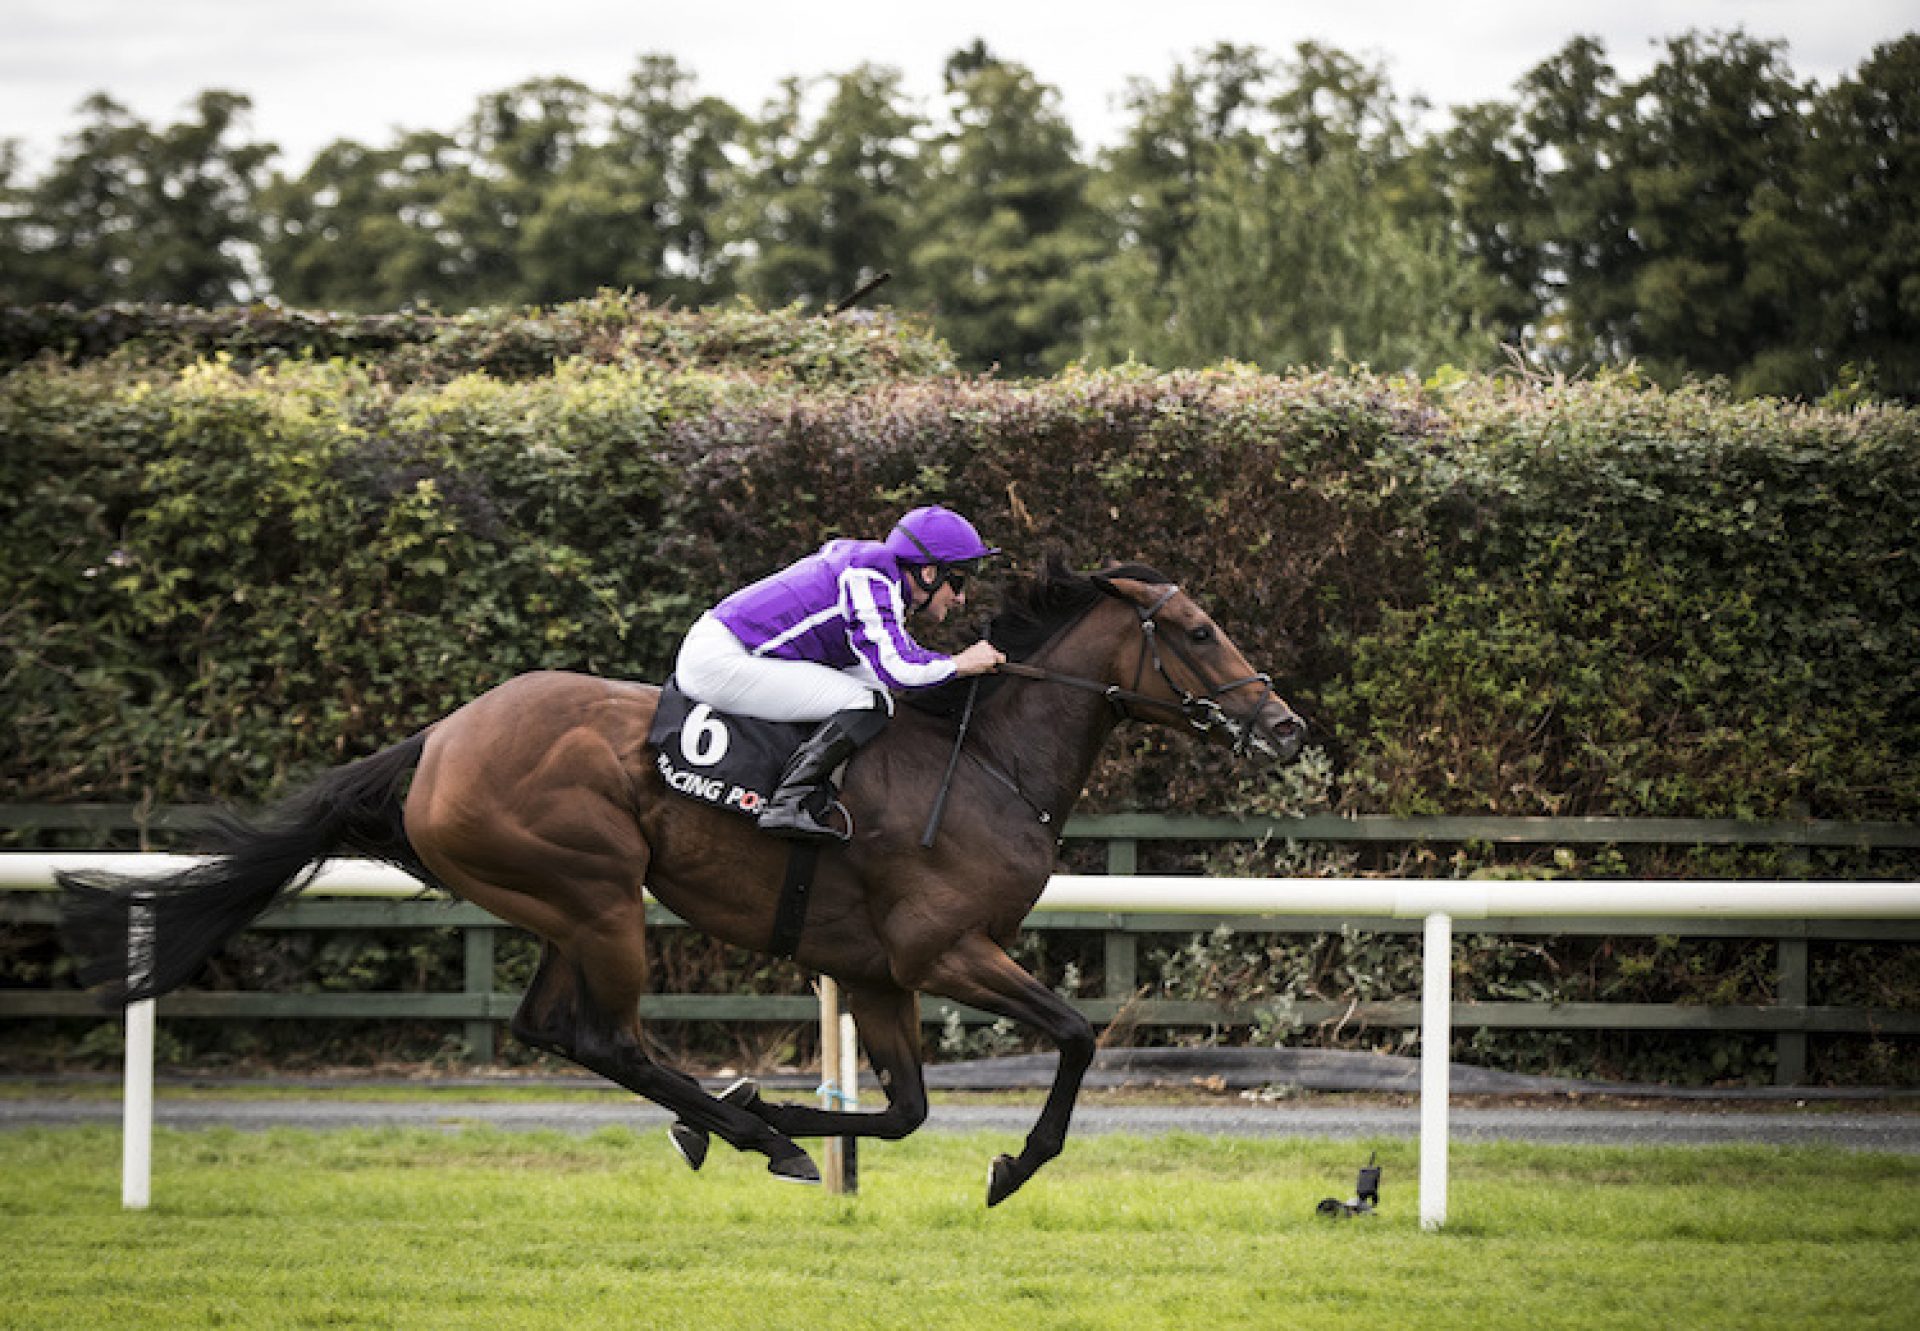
(480, 1007)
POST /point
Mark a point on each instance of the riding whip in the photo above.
(946, 782)
(865, 289)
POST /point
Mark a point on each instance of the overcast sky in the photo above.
(362, 69)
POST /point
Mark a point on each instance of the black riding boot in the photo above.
(798, 809)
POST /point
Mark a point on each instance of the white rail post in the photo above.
(136, 1110)
(849, 1101)
(1436, 1033)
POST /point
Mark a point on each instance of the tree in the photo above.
(1865, 173)
(134, 213)
(679, 149)
(1570, 106)
(19, 261)
(1150, 185)
(1006, 227)
(1307, 237)
(364, 229)
(1661, 222)
(1152, 182)
(550, 192)
(1287, 267)
(1486, 173)
(828, 199)
(1709, 140)
(526, 144)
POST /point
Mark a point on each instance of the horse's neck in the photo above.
(1048, 736)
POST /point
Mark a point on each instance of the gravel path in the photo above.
(1880, 1131)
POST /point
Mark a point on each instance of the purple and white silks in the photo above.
(840, 611)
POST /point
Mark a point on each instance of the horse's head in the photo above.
(1181, 666)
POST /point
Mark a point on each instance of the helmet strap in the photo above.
(928, 578)
(907, 532)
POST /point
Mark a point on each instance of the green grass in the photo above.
(482, 1228)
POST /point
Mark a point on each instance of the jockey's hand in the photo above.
(978, 659)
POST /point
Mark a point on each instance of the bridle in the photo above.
(1204, 714)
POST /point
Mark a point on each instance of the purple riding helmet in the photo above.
(937, 547)
(937, 536)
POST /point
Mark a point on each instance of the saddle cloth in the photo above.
(730, 762)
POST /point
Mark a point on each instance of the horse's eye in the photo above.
(1202, 633)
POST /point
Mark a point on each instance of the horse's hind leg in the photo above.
(888, 1018)
(566, 1012)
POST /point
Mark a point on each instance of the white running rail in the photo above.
(1437, 902)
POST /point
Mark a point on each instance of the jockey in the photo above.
(825, 640)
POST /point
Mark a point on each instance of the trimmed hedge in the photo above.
(611, 328)
(234, 557)
(1488, 595)
(1651, 603)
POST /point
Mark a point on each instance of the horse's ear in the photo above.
(1109, 584)
(1144, 574)
(1109, 581)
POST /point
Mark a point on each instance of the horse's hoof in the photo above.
(691, 1142)
(796, 1168)
(743, 1094)
(1003, 1179)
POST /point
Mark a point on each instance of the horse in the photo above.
(540, 802)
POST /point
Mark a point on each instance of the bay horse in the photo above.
(540, 802)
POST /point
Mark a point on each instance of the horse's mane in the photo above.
(1033, 611)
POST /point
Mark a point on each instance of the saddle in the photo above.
(728, 762)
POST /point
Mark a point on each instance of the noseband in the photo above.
(1203, 713)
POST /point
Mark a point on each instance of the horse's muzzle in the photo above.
(1278, 732)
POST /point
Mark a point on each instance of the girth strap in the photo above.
(790, 916)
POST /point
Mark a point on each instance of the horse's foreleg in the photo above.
(888, 1018)
(980, 974)
(565, 1013)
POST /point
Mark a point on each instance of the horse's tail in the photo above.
(357, 808)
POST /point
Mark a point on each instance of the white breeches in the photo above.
(715, 668)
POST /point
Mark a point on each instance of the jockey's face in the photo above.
(944, 602)
(938, 604)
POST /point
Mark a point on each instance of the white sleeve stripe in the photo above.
(878, 629)
(804, 627)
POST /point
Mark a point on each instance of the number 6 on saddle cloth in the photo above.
(729, 762)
